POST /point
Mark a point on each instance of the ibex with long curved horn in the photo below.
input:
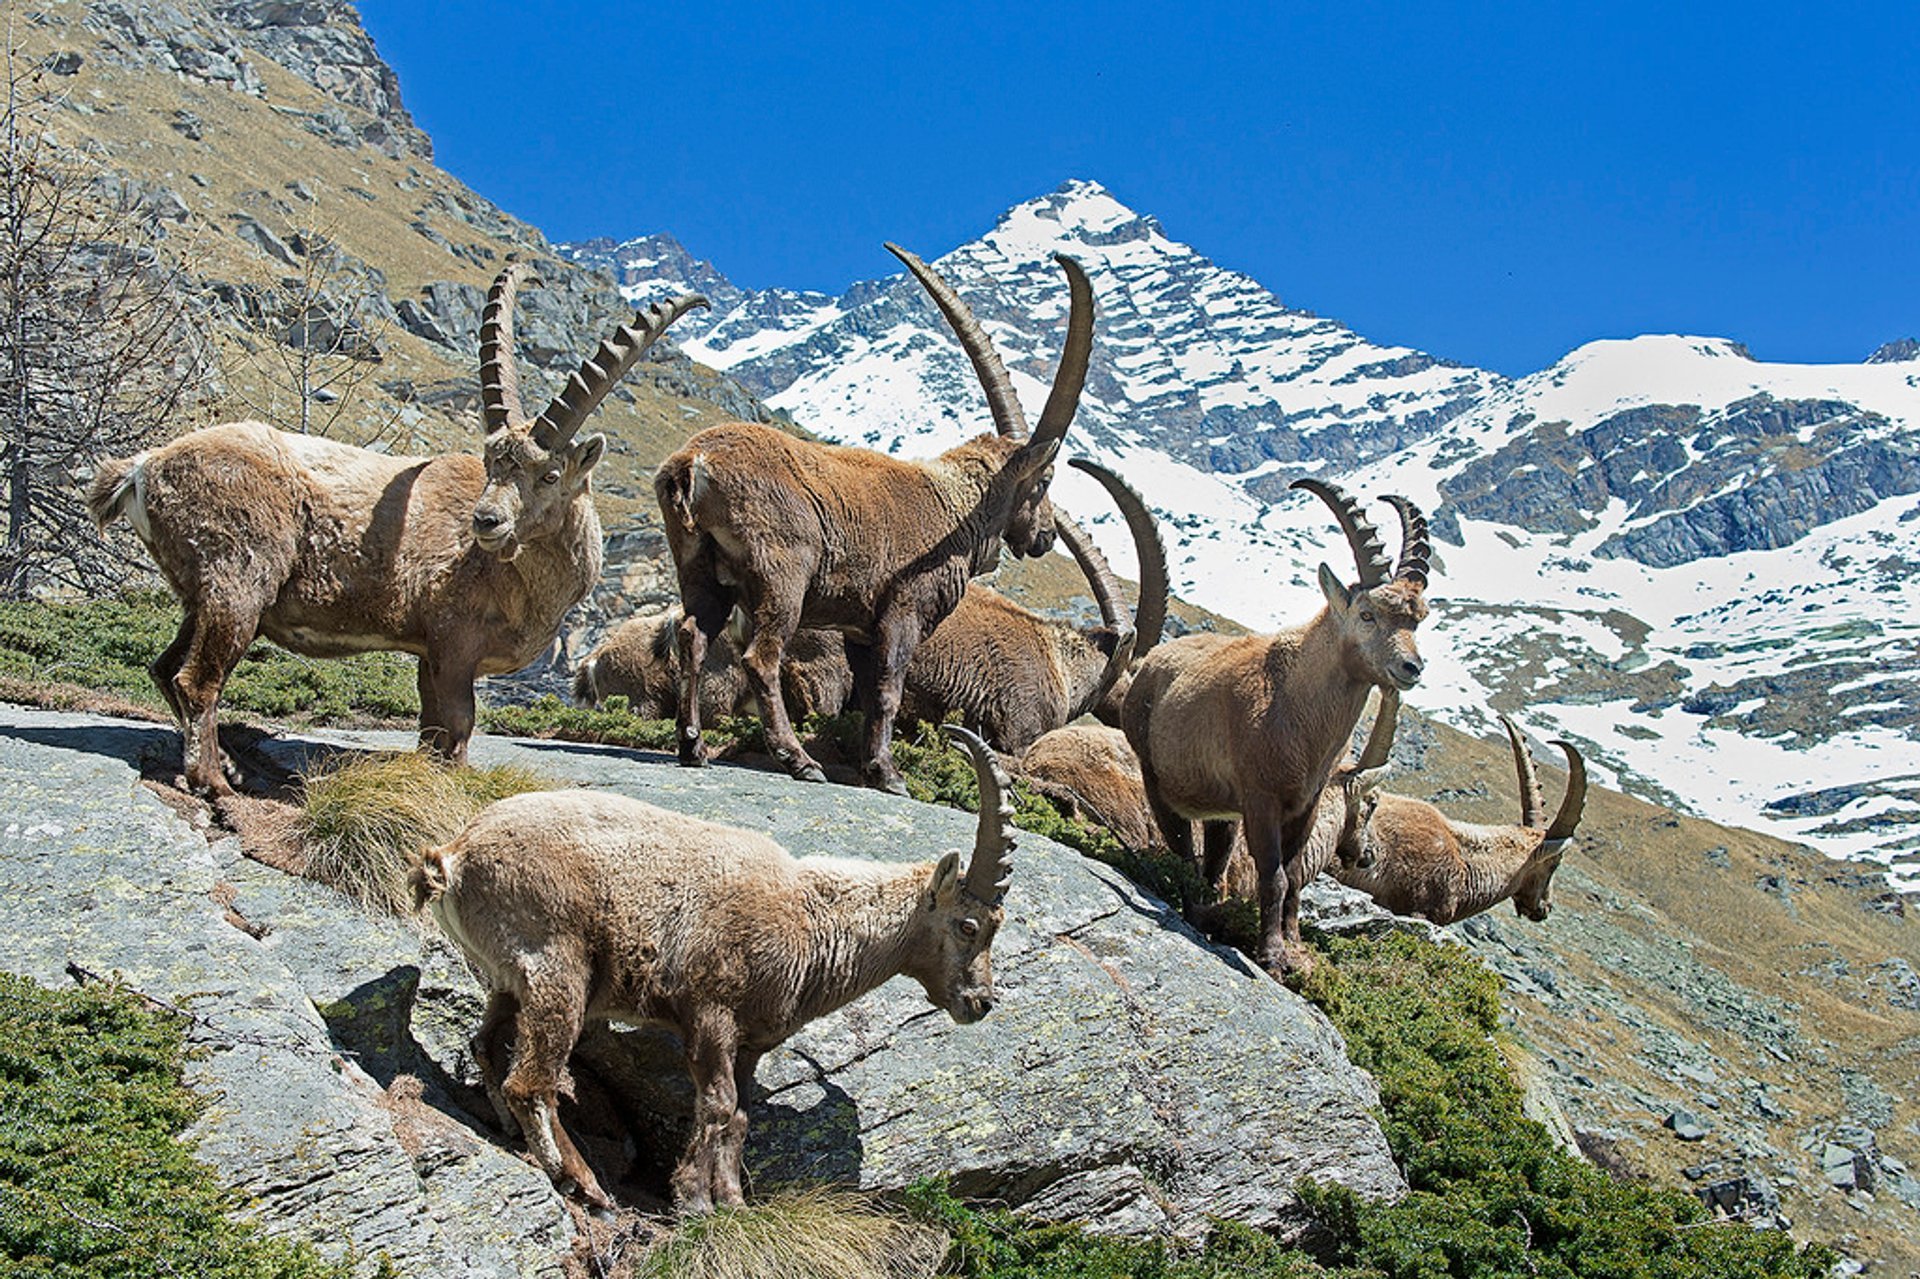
(1422, 862)
(804, 534)
(573, 904)
(1012, 674)
(1249, 727)
(329, 550)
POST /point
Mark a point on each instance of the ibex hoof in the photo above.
(888, 780)
(810, 773)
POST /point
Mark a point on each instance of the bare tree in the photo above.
(97, 338)
(321, 340)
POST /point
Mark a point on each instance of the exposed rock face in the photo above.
(1130, 1074)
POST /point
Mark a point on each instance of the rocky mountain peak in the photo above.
(1898, 351)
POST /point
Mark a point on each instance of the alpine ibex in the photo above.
(1249, 727)
(572, 904)
(640, 661)
(804, 534)
(1425, 863)
(329, 550)
(1013, 674)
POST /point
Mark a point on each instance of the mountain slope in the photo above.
(1686, 560)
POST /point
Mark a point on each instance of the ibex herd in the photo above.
(811, 577)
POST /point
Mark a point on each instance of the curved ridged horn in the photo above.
(1414, 546)
(1106, 593)
(1379, 747)
(991, 865)
(1576, 798)
(1150, 618)
(1368, 555)
(599, 372)
(499, 372)
(1071, 375)
(1531, 806)
(1008, 420)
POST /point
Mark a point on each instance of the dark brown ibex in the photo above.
(803, 534)
(1249, 727)
(1422, 862)
(640, 661)
(1012, 674)
(574, 905)
(329, 550)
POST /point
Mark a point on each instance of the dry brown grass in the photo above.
(800, 1234)
(364, 820)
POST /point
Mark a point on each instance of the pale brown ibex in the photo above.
(1249, 727)
(329, 550)
(803, 534)
(574, 905)
(1012, 674)
(1422, 862)
(640, 661)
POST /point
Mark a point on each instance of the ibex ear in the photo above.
(946, 878)
(1031, 460)
(1334, 589)
(587, 453)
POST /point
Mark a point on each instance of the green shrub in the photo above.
(105, 645)
(93, 1181)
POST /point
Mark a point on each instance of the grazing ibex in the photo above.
(640, 661)
(329, 550)
(1425, 863)
(1249, 727)
(804, 534)
(573, 905)
(1013, 674)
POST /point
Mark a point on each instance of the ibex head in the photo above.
(1030, 528)
(535, 466)
(963, 907)
(1533, 889)
(1378, 615)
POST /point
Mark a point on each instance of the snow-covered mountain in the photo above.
(1703, 569)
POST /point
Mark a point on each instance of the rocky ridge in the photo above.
(1130, 1075)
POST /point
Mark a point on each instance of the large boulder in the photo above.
(1131, 1075)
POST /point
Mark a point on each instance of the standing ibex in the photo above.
(574, 905)
(1249, 727)
(1424, 863)
(640, 661)
(329, 550)
(1013, 674)
(804, 534)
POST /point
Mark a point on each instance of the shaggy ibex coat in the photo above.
(1012, 674)
(574, 905)
(640, 661)
(803, 534)
(329, 550)
(1421, 862)
(1249, 727)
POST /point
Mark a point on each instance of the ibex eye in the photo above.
(1365, 616)
(551, 477)
(969, 928)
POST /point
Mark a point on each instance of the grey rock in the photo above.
(1129, 1069)
(1897, 351)
(1686, 1125)
(64, 63)
(251, 230)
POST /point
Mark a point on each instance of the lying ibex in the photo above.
(1424, 863)
(640, 661)
(572, 904)
(1012, 674)
(1249, 727)
(804, 534)
(329, 550)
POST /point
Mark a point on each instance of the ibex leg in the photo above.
(446, 706)
(164, 667)
(548, 1027)
(221, 635)
(707, 605)
(774, 621)
(710, 1060)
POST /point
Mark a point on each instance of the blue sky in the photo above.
(1493, 183)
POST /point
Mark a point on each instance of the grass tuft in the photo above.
(364, 820)
(812, 1233)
